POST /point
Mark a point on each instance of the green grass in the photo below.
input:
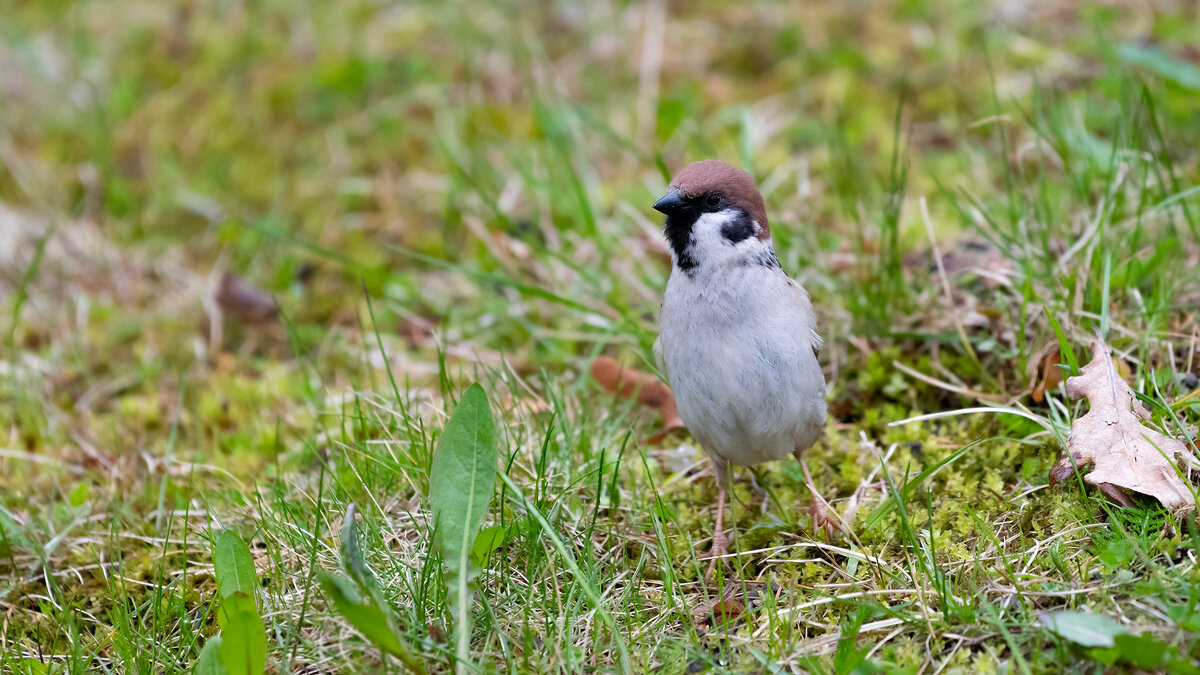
(441, 193)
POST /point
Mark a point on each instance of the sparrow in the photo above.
(738, 339)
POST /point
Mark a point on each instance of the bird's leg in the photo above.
(720, 543)
(819, 511)
(759, 490)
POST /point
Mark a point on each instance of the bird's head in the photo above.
(715, 216)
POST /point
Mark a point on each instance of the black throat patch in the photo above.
(678, 230)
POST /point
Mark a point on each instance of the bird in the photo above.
(738, 336)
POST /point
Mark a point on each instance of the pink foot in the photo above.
(819, 517)
(720, 546)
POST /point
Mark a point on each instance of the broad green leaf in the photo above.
(1185, 614)
(1180, 666)
(244, 644)
(209, 662)
(1106, 655)
(1084, 628)
(366, 619)
(80, 493)
(32, 667)
(460, 487)
(1164, 65)
(352, 561)
(235, 567)
(375, 621)
(490, 539)
(234, 604)
(1143, 651)
(352, 558)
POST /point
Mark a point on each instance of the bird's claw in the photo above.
(820, 518)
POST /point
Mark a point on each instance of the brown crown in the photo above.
(713, 175)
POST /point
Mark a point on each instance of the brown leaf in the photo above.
(720, 610)
(1049, 375)
(416, 330)
(1111, 437)
(645, 388)
(242, 299)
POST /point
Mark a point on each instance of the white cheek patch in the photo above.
(710, 246)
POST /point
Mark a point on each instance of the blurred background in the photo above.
(314, 147)
(223, 220)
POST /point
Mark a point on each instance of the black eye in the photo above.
(713, 200)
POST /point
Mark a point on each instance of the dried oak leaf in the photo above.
(647, 389)
(1125, 454)
(1049, 374)
(719, 611)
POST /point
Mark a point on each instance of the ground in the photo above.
(411, 198)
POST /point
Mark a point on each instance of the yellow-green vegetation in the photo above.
(439, 193)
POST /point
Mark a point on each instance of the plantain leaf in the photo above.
(236, 603)
(352, 561)
(209, 662)
(1144, 651)
(32, 667)
(244, 644)
(460, 486)
(1166, 66)
(1084, 628)
(372, 617)
(369, 620)
(487, 543)
(235, 567)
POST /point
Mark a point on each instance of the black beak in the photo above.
(670, 203)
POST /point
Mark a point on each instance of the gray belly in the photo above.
(751, 405)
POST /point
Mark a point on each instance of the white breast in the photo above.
(738, 343)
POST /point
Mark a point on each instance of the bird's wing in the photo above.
(804, 310)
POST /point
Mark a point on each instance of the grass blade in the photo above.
(588, 589)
